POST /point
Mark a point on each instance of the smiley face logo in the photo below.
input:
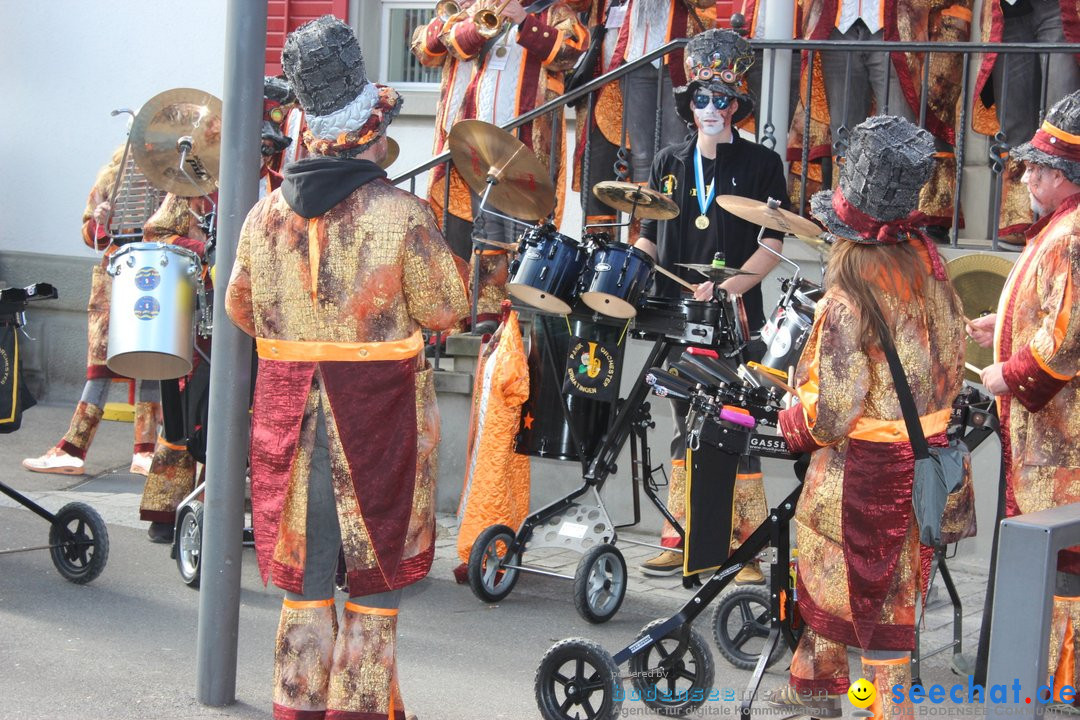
(861, 693)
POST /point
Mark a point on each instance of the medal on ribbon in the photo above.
(702, 220)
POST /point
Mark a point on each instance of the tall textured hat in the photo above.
(1057, 143)
(345, 112)
(888, 162)
(716, 60)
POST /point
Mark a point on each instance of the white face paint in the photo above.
(709, 121)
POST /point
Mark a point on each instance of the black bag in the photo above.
(585, 69)
(939, 472)
(15, 397)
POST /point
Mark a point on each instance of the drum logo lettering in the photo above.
(5, 367)
(147, 279)
(147, 307)
(534, 254)
(590, 370)
(601, 267)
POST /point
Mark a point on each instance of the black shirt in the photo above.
(741, 168)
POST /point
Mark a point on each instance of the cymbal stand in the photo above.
(479, 237)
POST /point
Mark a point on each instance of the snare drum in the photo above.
(786, 331)
(546, 272)
(152, 310)
(616, 280)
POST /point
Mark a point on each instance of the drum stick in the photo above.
(972, 368)
(676, 278)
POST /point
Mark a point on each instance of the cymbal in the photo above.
(392, 152)
(643, 202)
(760, 213)
(820, 244)
(715, 274)
(978, 279)
(166, 119)
(522, 186)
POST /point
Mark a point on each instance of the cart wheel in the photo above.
(741, 626)
(79, 543)
(673, 684)
(487, 578)
(189, 543)
(600, 583)
(578, 676)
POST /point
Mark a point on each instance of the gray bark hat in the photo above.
(345, 113)
(716, 60)
(888, 162)
(1057, 143)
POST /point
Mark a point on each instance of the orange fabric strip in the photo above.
(1060, 134)
(171, 446)
(748, 476)
(364, 610)
(959, 12)
(873, 430)
(307, 604)
(301, 351)
(1063, 674)
(891, 661)
(314, 255)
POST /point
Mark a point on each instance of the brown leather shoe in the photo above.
(669, 562)
(750, 575)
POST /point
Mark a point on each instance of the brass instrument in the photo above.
(446, 9)
(489, 21)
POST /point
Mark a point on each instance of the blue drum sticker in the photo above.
(147, 307)
(147, 279)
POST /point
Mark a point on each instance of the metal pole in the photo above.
(776, 73)
(230, 370)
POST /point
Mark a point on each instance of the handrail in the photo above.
(968, 48)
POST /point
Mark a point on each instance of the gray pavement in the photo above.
(124, 645)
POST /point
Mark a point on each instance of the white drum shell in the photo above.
(152, 311)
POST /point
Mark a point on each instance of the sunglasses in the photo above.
(720, 102)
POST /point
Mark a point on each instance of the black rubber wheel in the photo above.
(487, 578)
(673, 684)
(79, 543)
(741, 626)
(189, 530)
(600, 583)
(578, 680)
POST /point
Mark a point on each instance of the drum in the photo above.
(616, 280)
(151, 310)
(787, 329)
(546, 272)
(545, 431)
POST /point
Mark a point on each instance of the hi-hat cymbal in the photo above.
(760, 213)
(392, 152)
(643, 202)
(168, 120)
(715, 274)
(483, 152)
(978, 279)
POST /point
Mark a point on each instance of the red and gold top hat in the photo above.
(1057, 143)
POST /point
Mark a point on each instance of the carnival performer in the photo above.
(1026, 76)
(454, 78)
(1036, 343)
(519, 66)
(716, 160)
(496, 489)
(336, 273)
(68, 457)
(856, 531)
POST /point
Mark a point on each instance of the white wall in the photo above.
(66, 65)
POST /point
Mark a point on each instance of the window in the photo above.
(400, 18)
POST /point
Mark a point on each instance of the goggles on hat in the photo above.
(720, 102)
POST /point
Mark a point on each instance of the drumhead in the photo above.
(609, 305)
(539, 299)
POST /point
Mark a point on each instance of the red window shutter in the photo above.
(284, 16)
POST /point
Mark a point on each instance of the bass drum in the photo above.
(788, 328)
(544, 430)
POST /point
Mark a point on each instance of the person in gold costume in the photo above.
(336, 273)
(859, 570)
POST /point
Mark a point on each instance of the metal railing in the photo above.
(998, 150)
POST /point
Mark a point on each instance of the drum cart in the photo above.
(578, 521)
(78, 539)
(578, 680)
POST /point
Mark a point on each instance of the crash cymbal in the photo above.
(392, 152)
(522, 186)
(715, 274)
(176, 117)
(978, 279)
(821, 244)
(760, 213)
(628, 197)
